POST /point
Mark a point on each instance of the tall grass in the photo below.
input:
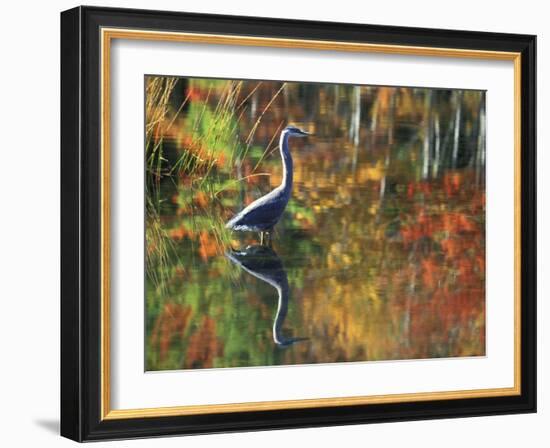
(158, 244)
(157, 95)
(210, 152)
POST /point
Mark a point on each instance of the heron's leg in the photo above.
(269, 239)
(261, 238)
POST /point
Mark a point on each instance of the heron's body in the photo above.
(262, 214)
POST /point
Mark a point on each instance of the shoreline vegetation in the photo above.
(211, 153)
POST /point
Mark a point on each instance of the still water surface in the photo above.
(380, 254)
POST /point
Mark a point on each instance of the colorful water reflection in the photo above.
(380, 254)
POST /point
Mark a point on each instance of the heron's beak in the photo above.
(305, 134)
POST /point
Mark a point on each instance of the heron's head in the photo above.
(295, 132)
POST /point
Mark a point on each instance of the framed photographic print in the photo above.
(274, 224)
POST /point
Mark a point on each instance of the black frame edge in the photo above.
(71, 383)
(80, 217)
(529, 222)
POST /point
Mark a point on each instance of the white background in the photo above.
(132, 388)
(29, 228)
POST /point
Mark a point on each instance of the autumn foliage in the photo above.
(385, 260)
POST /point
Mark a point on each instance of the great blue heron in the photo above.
(263, 263)
(262, 214)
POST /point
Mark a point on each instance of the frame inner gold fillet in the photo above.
(107, 35)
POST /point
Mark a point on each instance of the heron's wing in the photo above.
(265, 211)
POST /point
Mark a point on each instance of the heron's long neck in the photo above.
(287, 163)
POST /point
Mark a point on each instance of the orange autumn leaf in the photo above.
(466, 224)
(201, 199)
(171, 323)
(204, 345)
(178, 233)
(220, 161)
(452, 183)
(208, 247)
(451, 247)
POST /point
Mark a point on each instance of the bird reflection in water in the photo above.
(263, 263)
